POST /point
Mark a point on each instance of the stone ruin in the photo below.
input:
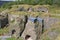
(18, 24)
(3, 20)
(30, 9)
(42, 9)
(14, 24)
(24, 26)
(21, 9)
(34, 29)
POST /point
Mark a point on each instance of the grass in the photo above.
(4, 31)
(26, 13)
(52, 10)
(12, 38)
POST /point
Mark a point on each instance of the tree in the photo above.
(50, 2)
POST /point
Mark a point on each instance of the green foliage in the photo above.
(12, 38)
(6, 5)
(31, 2)
(50, 2)
(4, 30)
(34, 2)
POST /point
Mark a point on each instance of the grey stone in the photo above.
(32, 29)
(22, 24)
(21, 9)
(42, 9)
(30, 9)
(29, 30)
(3, 20)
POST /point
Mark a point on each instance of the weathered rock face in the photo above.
(48, 21)
(21, 25)
(42, 9)
(14, 24)
(38, 28)
(21, 9)
(30, 9)
(29, 30)
(3, 20)
(18, 24)
(13, 18)
(33, 30)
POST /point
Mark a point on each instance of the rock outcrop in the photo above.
(33, 30)
(3, 20)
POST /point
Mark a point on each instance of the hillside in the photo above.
(51, 19)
